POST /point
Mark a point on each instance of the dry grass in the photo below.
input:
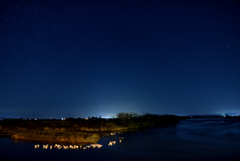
(53, 136)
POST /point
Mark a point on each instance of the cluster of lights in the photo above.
(58, 146)
(114, 142)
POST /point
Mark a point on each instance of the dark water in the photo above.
(203, 139)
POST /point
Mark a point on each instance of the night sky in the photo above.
(90, 58)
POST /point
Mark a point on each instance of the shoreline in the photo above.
(79, 130)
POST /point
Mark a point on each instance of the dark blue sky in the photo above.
(88, 58)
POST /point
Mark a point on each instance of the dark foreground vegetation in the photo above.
(80, 130)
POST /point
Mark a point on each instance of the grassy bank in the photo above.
(53, 136)
(79, 130)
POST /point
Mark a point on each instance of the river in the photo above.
(195, 139)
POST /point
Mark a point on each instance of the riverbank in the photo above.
(78, 130)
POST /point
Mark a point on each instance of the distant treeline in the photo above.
(122, 122)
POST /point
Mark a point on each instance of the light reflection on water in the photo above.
(209, 139)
